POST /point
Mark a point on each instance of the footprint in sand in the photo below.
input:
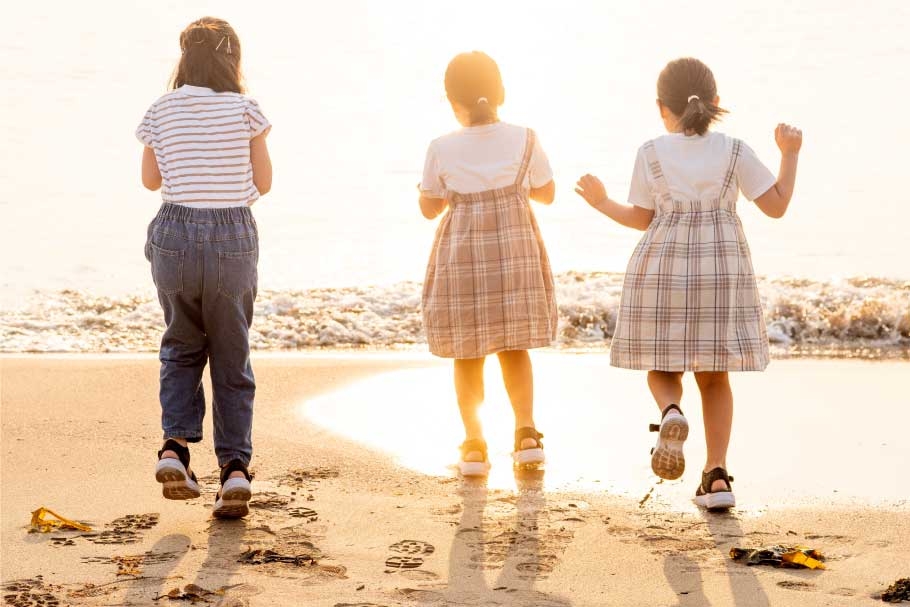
(409, 557)
(412, 547)
(269, 501)
(125, 530)
(132, 564)
(28, 593)
(305, 513)
(404, 562)
(797, 585)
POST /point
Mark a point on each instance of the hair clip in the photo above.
(223, 38)
(482, 100)
(691, 97)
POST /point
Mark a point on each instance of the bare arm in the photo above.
(592, 190)
(151, 176)
(261, 162)
(431, 207)
(545, 193)
(775, 201)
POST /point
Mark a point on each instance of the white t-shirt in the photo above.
(479, 158)
(694, 168)
(202, 143)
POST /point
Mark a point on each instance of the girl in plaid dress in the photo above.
(488, 287)
(689, 300)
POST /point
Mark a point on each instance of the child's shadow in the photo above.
(513, 547)
(214, 581)
(685, 576)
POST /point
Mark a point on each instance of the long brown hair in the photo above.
(473, 81)
(687, 87)
(211, 57)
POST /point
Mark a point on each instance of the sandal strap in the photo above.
(663, 414)
(715, 474)
(235, 465)
(474, 444)
(669, 408)
(183, 453)
(527, 432)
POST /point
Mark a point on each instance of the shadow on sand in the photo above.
(520, 547)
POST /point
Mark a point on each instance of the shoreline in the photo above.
(350, 504)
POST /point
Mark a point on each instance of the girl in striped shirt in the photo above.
(205, 150)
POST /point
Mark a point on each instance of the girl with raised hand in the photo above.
(689, 300)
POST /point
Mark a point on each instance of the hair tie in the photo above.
(482, 100)
(691, 97)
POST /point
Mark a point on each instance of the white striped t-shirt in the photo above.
(201, 140)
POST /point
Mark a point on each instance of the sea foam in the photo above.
(856, 317)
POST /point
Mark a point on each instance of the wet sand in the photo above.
(375, 518)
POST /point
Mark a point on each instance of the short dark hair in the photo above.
(473, 80)
(687, 87)
(211, 57)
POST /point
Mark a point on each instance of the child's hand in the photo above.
(591, 189)
(789, 138)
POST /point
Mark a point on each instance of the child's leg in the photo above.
(469, 391)
(717, 408)
(519, 381)
(666, 387)
(231, 256)
(183, 358)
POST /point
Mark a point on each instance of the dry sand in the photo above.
(79, 436)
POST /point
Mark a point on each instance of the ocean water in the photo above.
(354, 90)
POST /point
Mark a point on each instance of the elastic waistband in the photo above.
(177, 212)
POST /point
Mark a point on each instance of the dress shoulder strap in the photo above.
(657, 173)
(526, 158)
(731, 169)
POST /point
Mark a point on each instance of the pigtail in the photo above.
(482, 112)
(699, 115)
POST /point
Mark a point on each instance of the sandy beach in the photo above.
(351, 478)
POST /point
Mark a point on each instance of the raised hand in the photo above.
(788, 138)
(591, 189)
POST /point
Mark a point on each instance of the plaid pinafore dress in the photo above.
(689, 299)
(488, 285)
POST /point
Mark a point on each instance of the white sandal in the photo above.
(667, 459)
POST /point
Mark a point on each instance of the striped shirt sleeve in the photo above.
(144, 130)
(255, 119)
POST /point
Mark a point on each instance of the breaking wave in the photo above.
(855, 317)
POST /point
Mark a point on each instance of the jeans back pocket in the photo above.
(167, 269)
(237, 273)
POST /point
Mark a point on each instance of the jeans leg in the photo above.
(183, 356)
(228, 305)
(174, 259)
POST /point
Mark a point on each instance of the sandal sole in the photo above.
(474, 469)
(717, 501)
(175, 483)
(529, 457)
(667, 460)
(234, 500)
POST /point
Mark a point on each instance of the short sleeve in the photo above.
(432, 184)
(753, 177)
(539, 171)
(639, 190)
(255, 119)
(144, 130)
